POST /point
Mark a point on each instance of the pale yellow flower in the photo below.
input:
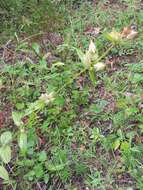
(47, 98)
(91, 54)
(99, 66)
(114, 36)
(92, 47)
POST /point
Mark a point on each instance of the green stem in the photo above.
(105, 53)
(92, 75)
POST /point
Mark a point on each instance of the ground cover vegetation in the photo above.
(71, 102)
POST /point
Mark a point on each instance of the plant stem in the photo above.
(105, 53)
(10, 183)
(32, 36)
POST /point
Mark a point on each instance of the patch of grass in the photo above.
(70, 130)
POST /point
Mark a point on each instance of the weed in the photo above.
(71, 115)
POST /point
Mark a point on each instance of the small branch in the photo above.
(32, 36)
(104, 54)
(39, 186)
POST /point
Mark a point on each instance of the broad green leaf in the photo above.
(4, 174)
(125, 146)
(36, 47)
(131, 111)
(46, 178)
(58, 64)
(92, 75)
(55, 167)
(23, 141)
(116, 144)
(6, 138)
(136, 78)
(5, 154)
(39, 170)
(80, 54)
(42, 156)
(17, 116)
(20, 106)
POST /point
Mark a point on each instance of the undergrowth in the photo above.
(71, 114)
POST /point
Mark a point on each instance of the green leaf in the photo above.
(39, 170)
(5, 154)
(59, 101)
(36, 47)
(43, 64)
(30, 175)
(46, 178)
(6, 138)
(95, 108)
(55, 167)
(4, 174)
(125, 146)
(131, 111)
(80, 54)
(22, 142)
(42, 156)
(20, 106)
(17, 116)
(116, 144)
(136, 78)
(58, 64)
(92, 75)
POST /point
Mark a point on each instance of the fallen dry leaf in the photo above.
(92, 31)
(110, 62)
(129, 32)
(132, 35)
(82, 148)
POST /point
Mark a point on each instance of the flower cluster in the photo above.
(47, 98)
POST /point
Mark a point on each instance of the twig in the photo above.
(34, 35)
(10, 168)
(104, 54)
(39, 186)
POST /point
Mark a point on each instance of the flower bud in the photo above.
(114, 36)
(99, 66)
(47, 98)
